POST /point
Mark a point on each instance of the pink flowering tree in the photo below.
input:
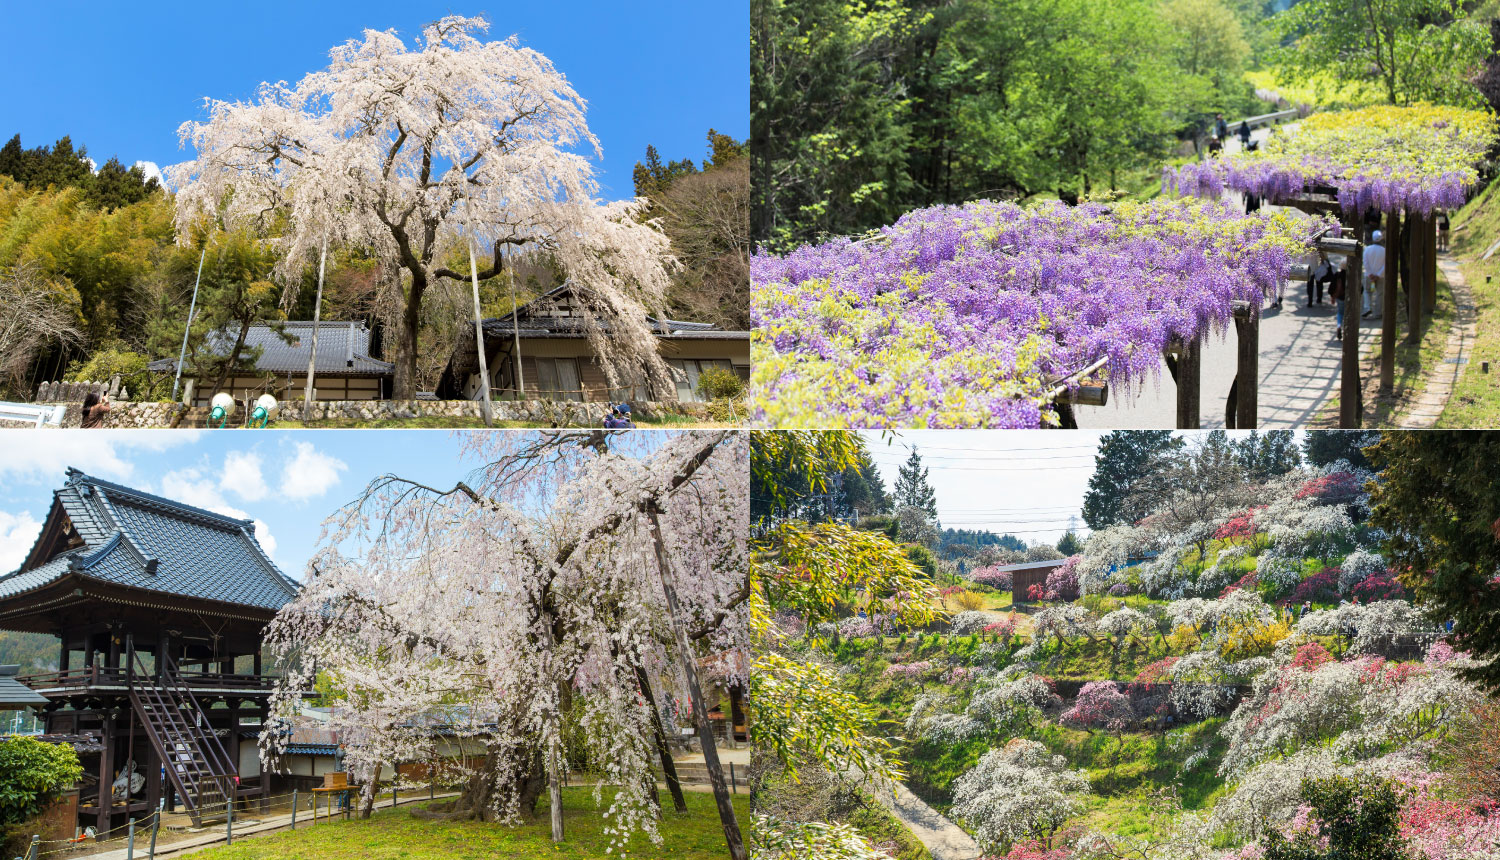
(1062, 582)
(554, 598)
(1100, 705)
(421, 153)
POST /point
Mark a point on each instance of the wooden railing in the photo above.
(103, 676)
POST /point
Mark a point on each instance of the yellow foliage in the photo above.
(1252, 639)
(968, 600)
(1182, 639)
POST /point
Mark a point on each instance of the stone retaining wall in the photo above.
(557, 413)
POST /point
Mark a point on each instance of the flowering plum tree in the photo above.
(416, 152)
(522, 625)
(1100, 705)
(1062, 582)
(1020, 791)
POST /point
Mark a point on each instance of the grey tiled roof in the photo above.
(14, 694)
(143, 541)
(343, 348)
(533, 326)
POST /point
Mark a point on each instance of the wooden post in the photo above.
(1429, 262)
(106, 774)
(1350, 411)
(1247, 373)
(1388, 302)
(1185, 367)
(727, 815)
(1415, 292)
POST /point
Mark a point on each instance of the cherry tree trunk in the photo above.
(668, 766)
(405, 385)
(727, 817)
(479, 798)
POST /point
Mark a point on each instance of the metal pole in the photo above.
(312, 360)
(130, 843)
(156, 827)
(35, 851)
(484, 371)
(189, 327)
(229, 821)
(515, 328)
(294, 809)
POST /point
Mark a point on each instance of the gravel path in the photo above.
(946, 840)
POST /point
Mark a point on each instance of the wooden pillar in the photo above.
(163, 645)
(1429, 262)
(114, 649)
(1247, 373)
(1185, 367)
(1415, 292)
(62, 657)
(256, 663)
(106, 771)
(1388, 302)
(1350, 408)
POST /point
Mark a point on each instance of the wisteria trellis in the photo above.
(1416, 159)
(969, 315)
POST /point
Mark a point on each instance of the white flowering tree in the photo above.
(530, 611)
(1018, 792)
(414, 152)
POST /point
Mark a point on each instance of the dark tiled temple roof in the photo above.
(533, 325)
(343, 348)
(13, 694)
(139, 540)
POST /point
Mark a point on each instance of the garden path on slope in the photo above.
(946, 840)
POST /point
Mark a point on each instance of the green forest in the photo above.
(864, 110)
(94, 281)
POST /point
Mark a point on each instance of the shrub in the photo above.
(1321, 587)
(1001, 579)
(1310, 656)
(1036, 592)
(1119, 589)
(1353, 818)
(1377, 588)
(31, 775)
(720, 383)
(969, 600)
(1062, 583)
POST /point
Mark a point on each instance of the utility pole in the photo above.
(189, 327)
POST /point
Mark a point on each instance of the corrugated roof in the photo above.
(139, 540)
(13, 694)
(343, 348)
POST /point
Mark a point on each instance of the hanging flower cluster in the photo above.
(1417, 158)
(971, 315)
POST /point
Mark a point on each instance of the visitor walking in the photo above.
(1215, 145)
(1318, 278)
(1374, 274)
(1336, 295)
(1442, 227)
(1221, 128)
(1244, 134)
(95, 406)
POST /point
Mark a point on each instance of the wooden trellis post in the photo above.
(1242, 405)
(1416, 303)
(1350, 408)
(1429, 261)
(1184, 362)
(1388, 302)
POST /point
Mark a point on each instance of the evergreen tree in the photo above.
(1124, 457)
(1268, 454)
(1069, 544)
(912, 489)
(1322, 447)
(863, 489)
(13, 159)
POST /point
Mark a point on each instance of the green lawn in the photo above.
(1476, 398)
(396, 833)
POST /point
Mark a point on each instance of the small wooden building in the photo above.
(346, 369)
(1029, 573)
(557, 362)
(159, 609)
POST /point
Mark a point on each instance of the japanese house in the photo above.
(159, 610)
(1029, 573)
(346, 369)
(557, 362)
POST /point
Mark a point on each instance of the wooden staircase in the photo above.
(196, 762)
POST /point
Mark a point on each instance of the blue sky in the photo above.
(120, 78)
(288, 481)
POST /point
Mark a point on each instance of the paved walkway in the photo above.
(1440, 378)
(1299, 367)
(946, 840)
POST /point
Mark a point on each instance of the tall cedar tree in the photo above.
(1438, 499)
(912, 489)
(1123, 458)
(1322, 447)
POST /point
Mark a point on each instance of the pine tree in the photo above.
(1124, 457)
(912, 489)
(1069, 544)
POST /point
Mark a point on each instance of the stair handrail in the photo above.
(198, 771)
(226, 767)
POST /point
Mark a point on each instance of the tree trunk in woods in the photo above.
(732, 836)
(478, 800)
(234, 356)
(668, 766)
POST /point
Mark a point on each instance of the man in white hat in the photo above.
(1374, 274)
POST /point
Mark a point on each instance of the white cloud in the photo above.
(242, 476)
(151, 170)
(44, 455)
(17, 534)
(310, 473)
(191, 486)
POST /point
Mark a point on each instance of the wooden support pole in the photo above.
(1415, 292)
(106, 774)
(1388, 296)
(1350, 408)
(1247, 372)
(1189, 379)
(1429, 262)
